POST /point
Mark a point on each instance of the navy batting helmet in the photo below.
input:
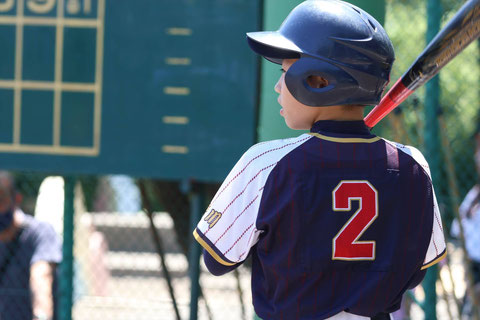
(337, 41)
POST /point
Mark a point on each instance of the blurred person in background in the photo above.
(30, 251)
(99, 275)
(469, 212)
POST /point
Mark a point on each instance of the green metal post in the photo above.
(66, 267)
(197, 202)
(430, 302)
(432, 147)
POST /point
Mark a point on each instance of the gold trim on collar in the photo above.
(344, 140)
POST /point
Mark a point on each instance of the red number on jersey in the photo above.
(345, 244)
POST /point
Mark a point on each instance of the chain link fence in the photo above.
(131, 244)
(457, 120)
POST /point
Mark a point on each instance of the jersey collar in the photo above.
(341, 127)
(343, 131)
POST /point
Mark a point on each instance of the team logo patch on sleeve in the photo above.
(212, 218)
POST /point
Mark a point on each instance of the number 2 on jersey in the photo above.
(345, 244)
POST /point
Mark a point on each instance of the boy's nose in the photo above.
(278, 85)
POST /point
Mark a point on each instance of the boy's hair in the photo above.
(334, 40)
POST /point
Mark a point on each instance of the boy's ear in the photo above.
(317, 82)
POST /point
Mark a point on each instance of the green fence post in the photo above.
(432, 146)
(66, 267)
(197, 202)
(430, 303)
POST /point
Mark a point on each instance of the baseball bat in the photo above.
(459, 32)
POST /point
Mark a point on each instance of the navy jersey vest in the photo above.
(335, 220)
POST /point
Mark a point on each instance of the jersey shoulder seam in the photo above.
(408, 150)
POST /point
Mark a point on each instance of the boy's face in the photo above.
(297, 115)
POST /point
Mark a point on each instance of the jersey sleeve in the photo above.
(47, 245)
(437, 248)
(469, 201)
(227, 230)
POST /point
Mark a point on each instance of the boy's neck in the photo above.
(341, 113)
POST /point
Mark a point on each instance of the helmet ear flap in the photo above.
(297, 76)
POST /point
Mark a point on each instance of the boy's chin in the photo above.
(296, 126)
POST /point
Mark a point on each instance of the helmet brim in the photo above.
(273, 46)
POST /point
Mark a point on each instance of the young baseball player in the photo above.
(339, 223)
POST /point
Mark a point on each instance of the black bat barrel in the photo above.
(461, 30)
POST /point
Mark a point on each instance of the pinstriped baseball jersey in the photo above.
(335, 220)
